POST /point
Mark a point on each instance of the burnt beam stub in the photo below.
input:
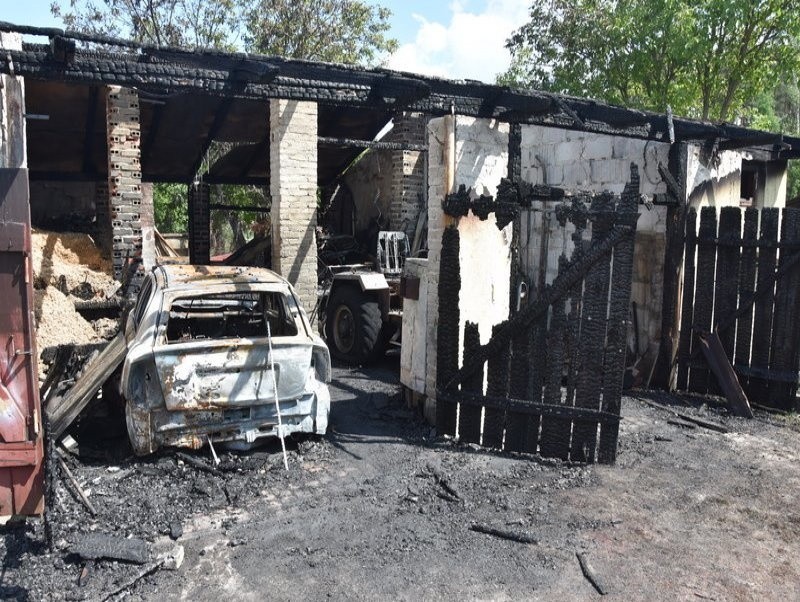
(220, 116)
(88, 142)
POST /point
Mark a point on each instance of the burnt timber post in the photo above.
(664, 374)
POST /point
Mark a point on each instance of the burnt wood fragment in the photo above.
(469, 426)
(686, 340)
(617, 331)
(730, 226)
(497, 378)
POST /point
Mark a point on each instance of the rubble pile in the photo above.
(68, 267)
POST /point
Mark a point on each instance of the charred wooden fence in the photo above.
(742, 281)
(553, 370)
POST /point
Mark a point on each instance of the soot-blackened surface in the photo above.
(381, 508)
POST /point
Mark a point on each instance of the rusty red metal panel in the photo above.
(21, 457)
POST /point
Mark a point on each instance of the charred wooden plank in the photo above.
(526, 406)
(555, 435)
(785, 329)
(686, 341)
(704, 290)
(469, 427)
(60, 415)
(726, 377)
(727, 279)
(747, 284)
(448, 327)
(497, 379)
(762, 312)
(593, 336)
(617, 331)
(518, 425)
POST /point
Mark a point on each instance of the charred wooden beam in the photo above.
(152, 135)
(88, 137)
(219, 120)
(752, 140)
(372, 144)
(62, 49)
(525, 406)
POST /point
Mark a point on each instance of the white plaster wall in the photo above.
(716, 181)
(413, 352)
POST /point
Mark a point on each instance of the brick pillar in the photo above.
(408, 173)
(102, 219)
(199, 224)
(124, 179)
(293, 188)
(147, 217)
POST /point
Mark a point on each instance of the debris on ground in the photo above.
(360, 514)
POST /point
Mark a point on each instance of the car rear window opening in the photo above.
(229, 315)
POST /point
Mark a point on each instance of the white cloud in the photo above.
(470, 46)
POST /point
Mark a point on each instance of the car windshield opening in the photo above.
(229, 315)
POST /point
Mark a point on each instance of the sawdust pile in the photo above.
(57, 322)
(73, 256)
(67, 267)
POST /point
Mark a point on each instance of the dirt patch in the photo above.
(382, 509)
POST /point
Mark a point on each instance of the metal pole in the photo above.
(277, 404)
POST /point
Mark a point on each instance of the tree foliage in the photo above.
(704, 58)
(186, 23)
(346, 31)
(343, 31)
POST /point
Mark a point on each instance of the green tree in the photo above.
(343, 31)
(186, 23)
(705, 58)
(170, 207)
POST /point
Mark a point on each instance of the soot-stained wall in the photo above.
(481, 160)
(595, 163)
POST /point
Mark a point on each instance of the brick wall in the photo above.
(293, 188)
(124, 177)
(408, 173)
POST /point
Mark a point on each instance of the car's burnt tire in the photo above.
(353, 326)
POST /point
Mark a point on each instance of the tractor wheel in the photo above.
(353, 326)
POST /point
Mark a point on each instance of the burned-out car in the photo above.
(198, 364)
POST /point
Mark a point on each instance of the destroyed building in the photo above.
(90, 123)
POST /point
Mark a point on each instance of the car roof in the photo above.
(194, 276)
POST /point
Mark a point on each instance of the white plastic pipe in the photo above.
(277, 404)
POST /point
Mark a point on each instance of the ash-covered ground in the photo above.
(381, 509)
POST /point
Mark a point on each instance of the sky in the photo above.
(460, 39)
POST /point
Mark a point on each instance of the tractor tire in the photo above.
(353, 326)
